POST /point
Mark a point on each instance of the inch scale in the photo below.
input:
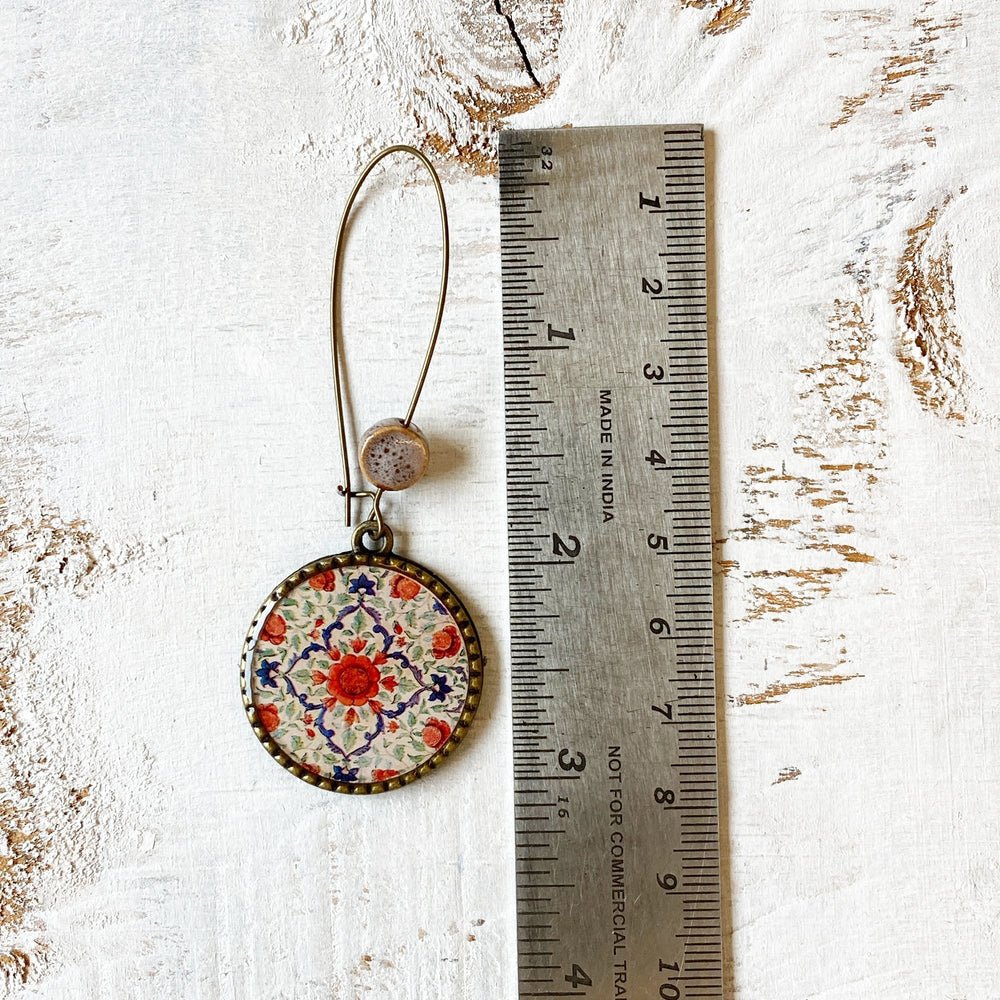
(610, 554)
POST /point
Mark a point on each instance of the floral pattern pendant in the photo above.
(361, 672)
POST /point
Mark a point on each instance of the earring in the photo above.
(362, 671)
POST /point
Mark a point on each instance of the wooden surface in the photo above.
(172, 176)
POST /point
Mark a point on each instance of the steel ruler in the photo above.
(610, 556)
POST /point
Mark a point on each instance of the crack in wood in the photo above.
(518, 43)
(448, 71)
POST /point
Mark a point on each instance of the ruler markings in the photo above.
(556, 545)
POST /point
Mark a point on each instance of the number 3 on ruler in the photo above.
(572, 761)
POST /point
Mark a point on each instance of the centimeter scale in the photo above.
(610, 553)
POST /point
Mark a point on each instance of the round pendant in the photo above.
(361, 672)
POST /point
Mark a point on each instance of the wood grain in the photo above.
(726, 14)
(931, 346)
(466, 70)
(48, 842)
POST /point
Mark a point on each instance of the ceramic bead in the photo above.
(392, 456)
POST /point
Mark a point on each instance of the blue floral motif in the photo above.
(364, 696)
(441, 687)
(361, 585)
(266, 671)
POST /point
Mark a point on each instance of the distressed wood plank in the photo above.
(172, 177)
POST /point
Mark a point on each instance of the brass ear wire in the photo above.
(374, 525)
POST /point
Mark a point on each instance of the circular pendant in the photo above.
(361, 672)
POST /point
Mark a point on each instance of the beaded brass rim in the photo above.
(442, 592)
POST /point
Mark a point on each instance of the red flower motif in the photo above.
(351, 717)
(403, 587)
(378, 774)
(318, 677)
(397, 628)
(393, 726)
(376, 706)
(446, 643)
(310, 732)
(389, 683)
(274, 629)
(358, 644)
(436, 732)
(326, 580)
(311, 768)
(354, 680)
(268, 715)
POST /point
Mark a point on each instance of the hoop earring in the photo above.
(362, 671)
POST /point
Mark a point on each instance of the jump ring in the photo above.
(371, 528)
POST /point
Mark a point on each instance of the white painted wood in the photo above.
(172, 178)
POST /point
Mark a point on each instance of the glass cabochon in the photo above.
(361, 672)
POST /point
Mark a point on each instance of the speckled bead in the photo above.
(392, 456)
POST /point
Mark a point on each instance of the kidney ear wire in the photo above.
(393, 454)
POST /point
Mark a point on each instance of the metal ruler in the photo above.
(610, 553)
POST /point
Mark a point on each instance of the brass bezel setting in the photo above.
(442, 592)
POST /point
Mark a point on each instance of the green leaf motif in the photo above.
(409, 665)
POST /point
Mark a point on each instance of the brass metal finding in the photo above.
(409, 442)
